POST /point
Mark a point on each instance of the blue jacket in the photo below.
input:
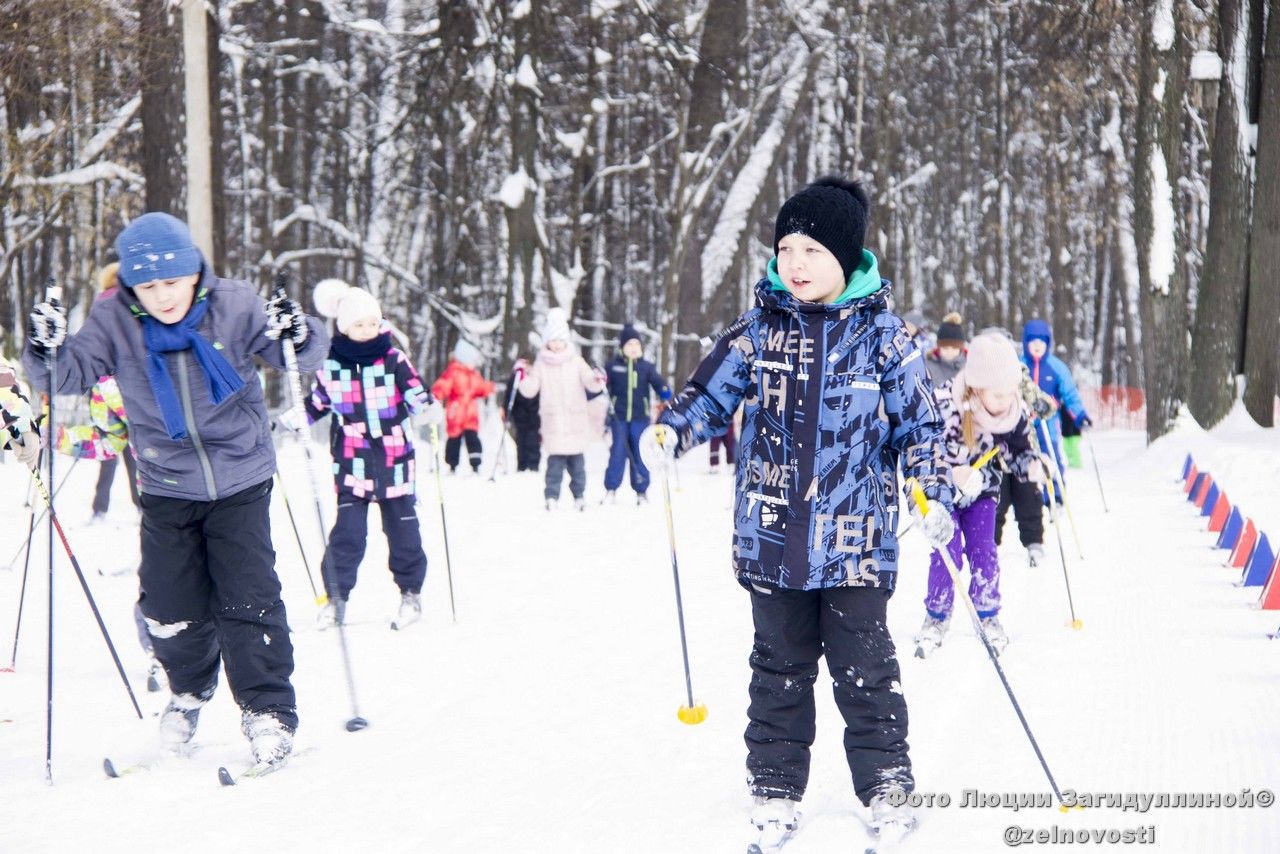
(229, 447)
(628, 386)
(835, 398)
(1052, 375)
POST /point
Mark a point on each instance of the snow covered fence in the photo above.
(1251, 551)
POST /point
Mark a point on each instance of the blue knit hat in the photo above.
(629, 333)
(156, 246)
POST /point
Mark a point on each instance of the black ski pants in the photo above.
(453, 449)
(350, 534)
(1028, 509)
(210, 592)
(528, 448)
(793, 629)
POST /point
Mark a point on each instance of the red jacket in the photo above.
(458, 388)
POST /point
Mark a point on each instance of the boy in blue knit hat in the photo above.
(835, 400)
(630, 377)
(181, 343)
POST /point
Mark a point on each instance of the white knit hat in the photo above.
(467, 353)
(556, 326)
(335, 298)
(992, 363)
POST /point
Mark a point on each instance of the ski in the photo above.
(886, 843)
(757, 848)
(926, 648)
(257, 769)
(115, 770)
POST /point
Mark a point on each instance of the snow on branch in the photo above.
(106, 171)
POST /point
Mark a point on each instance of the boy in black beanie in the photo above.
(835, 397)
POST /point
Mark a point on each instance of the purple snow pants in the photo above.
(976, 523)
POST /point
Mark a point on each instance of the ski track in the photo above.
(545, 719)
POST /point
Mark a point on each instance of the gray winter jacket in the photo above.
(229, 445)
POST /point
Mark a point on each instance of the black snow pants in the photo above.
(1028, 509)
(210, 592)
(793, 628)
(350, 535)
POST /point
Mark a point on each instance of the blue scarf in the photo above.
(161, 338)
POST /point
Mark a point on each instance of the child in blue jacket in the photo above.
(835, 399)
(1054, 378)
(630, 377)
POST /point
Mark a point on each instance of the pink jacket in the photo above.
(563, 379)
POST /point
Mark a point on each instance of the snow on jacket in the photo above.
(1053, 377)
(458, 388)
(229, 447)
(562, 381)
(629, 383)
(106, 435)
(372, 396)
(1017, 447)
(835, 398)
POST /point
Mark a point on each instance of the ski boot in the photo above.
(410, 610)
(642, 498)
(931, 633)
(581, 504)
(1035, 554)
(892, 818)
(995, 633)
(178, 721)
(550, 504)
(334, 613)
(775, 821)
(269, 739)
(610, 497)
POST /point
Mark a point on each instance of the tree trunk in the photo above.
(1218, 341)
(1262, 333)
(160, 65)
(1158, 230)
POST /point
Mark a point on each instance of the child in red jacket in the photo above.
(459, 388)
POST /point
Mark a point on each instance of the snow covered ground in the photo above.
(544, 719)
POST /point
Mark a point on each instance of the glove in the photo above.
(432, 414)
(48, 328)
(285, 320)
(968, 480)
(1084, 421)
(294, 419)
(658, 446)
(521, 369)
(27, 448)
(601, 377)
(936, 525)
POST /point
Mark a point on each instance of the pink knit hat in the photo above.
(992, 363)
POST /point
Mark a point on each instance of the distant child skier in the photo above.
(562, 379)
(372, 390)
(835, 398)
(631, 376)
(182, 343)
(527, 421)
(947, 359)
(460, 388)
(982, 410)
(1053, 376)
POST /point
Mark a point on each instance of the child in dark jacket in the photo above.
(630, 377)
(182, 345)
(982, 410)
(372, 390)
(526, 418)
(835, 397)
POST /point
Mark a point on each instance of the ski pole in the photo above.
(1057, 535)
(306, 564)
(356, 722)
(84, 585)
(444, 525)
(1056, 473)
(1097, 473)
(36, 520)
(918, 496)
(26, 564)
(502, 437)
(53, 294)
(692, 713)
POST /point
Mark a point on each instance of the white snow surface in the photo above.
(544, 719)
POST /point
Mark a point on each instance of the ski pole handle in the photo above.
(52, 293)
(918, 496)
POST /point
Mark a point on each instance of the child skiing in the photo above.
(562, 379)
(982, 410)
(1053, 377)
(630, 378)
(372, 390)
(947, 359)
(835, 398)
(527, 421)
(459, 388)
(181, 343)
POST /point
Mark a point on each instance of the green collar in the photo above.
(863, 282)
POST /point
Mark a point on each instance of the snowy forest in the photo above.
(1111, 166)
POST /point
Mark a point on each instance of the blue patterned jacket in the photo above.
(835, 398)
